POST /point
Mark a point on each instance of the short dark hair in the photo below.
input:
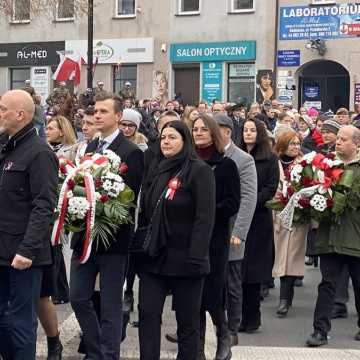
(90, 111)
(103, 96)
(214, 128)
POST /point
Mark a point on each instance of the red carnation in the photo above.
(62, 169)
(329, 202)
(104, 198)
(304, 202)
(123, 169)
(303, 163)
(290, 191)
(331, 156)
(71, 184)
(98, 183)
(307, 181)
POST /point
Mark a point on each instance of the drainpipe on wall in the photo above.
(276, 42)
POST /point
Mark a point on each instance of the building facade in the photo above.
(203, 49)
(319, 53)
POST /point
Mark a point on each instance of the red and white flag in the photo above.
(68, 69)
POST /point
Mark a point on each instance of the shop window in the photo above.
(65, 10)
(187, 7)
(242, 5)
(18, 77)
(21, 11)
(241, 83)
(122, 74)
(125, 8)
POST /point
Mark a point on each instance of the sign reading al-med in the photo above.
(211, 81)
(222, 51)
(320, 22)
(288, 58)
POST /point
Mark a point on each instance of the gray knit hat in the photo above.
(331, 125)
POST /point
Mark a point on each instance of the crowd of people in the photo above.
(214, 244)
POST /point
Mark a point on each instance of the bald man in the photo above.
(338, 245)
(28, 183)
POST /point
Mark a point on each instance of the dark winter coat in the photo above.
(259, 247)
(227, 204)
(28, 184)
(190, 217)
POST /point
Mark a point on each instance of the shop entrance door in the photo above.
(325, 82)
(187, 82)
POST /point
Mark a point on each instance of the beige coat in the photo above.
(290, 248)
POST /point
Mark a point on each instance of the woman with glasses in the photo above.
(209, 147)
(290, 244)
(129, 125)
(259, 246)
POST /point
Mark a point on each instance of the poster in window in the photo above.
(160, 86)
(264, 86)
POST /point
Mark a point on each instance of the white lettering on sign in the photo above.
(33, 54)
(336, 10)
(212, 51)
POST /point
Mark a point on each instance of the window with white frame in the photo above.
(189, 6)
(242, 5)
(21, 11)
(125, 7)
(65, 10)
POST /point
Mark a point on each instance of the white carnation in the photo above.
(295, 174)
(78, 207)
(114, 159)
(113, 184)
(318, 202)
(309, 158)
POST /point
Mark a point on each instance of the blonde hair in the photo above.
(69, 137)
(186, 116)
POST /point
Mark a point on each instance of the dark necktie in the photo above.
(100, 147)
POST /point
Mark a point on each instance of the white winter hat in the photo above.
(132, 116)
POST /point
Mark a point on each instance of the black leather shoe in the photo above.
(309, 261)
(172, 338)
(339, 312)
(357, 336)
(55, 348)
(298, 282)
(316, 339)
(234, 339)
(283, 308)
(223, 349)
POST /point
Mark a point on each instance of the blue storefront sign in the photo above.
(288, 58)
(320, 22)
(312, 92)
(218, 51)
(211, 81)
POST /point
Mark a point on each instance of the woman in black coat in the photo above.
(259, 246)
(209, 147)
(178, 198)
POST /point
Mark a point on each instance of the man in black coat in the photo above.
(28, 184)
(102, 339)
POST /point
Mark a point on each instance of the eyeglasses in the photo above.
(129, 126)
(291, 143)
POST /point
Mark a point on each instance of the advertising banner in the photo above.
(212, 81)
(40, 81)
(319, 22)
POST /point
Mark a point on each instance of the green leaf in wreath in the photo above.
(127, 196)
(79, 191)
(275, 204)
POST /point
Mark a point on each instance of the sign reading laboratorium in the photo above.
(223, 51)
(320, 22)
(114, 51)
(211, 81)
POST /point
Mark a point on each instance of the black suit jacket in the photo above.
(28, 186)
(134, 159)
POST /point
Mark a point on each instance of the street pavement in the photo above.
(279, 339)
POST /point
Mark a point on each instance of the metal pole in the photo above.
(90, 43)
(276, 43)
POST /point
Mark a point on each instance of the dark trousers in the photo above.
(61, 294)
(102, 338)
(251, 315)
(342, 289)
(235, 295)
(331, 265)
(19, 298)
(187, 293)
(130, 276)
(287, 288)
